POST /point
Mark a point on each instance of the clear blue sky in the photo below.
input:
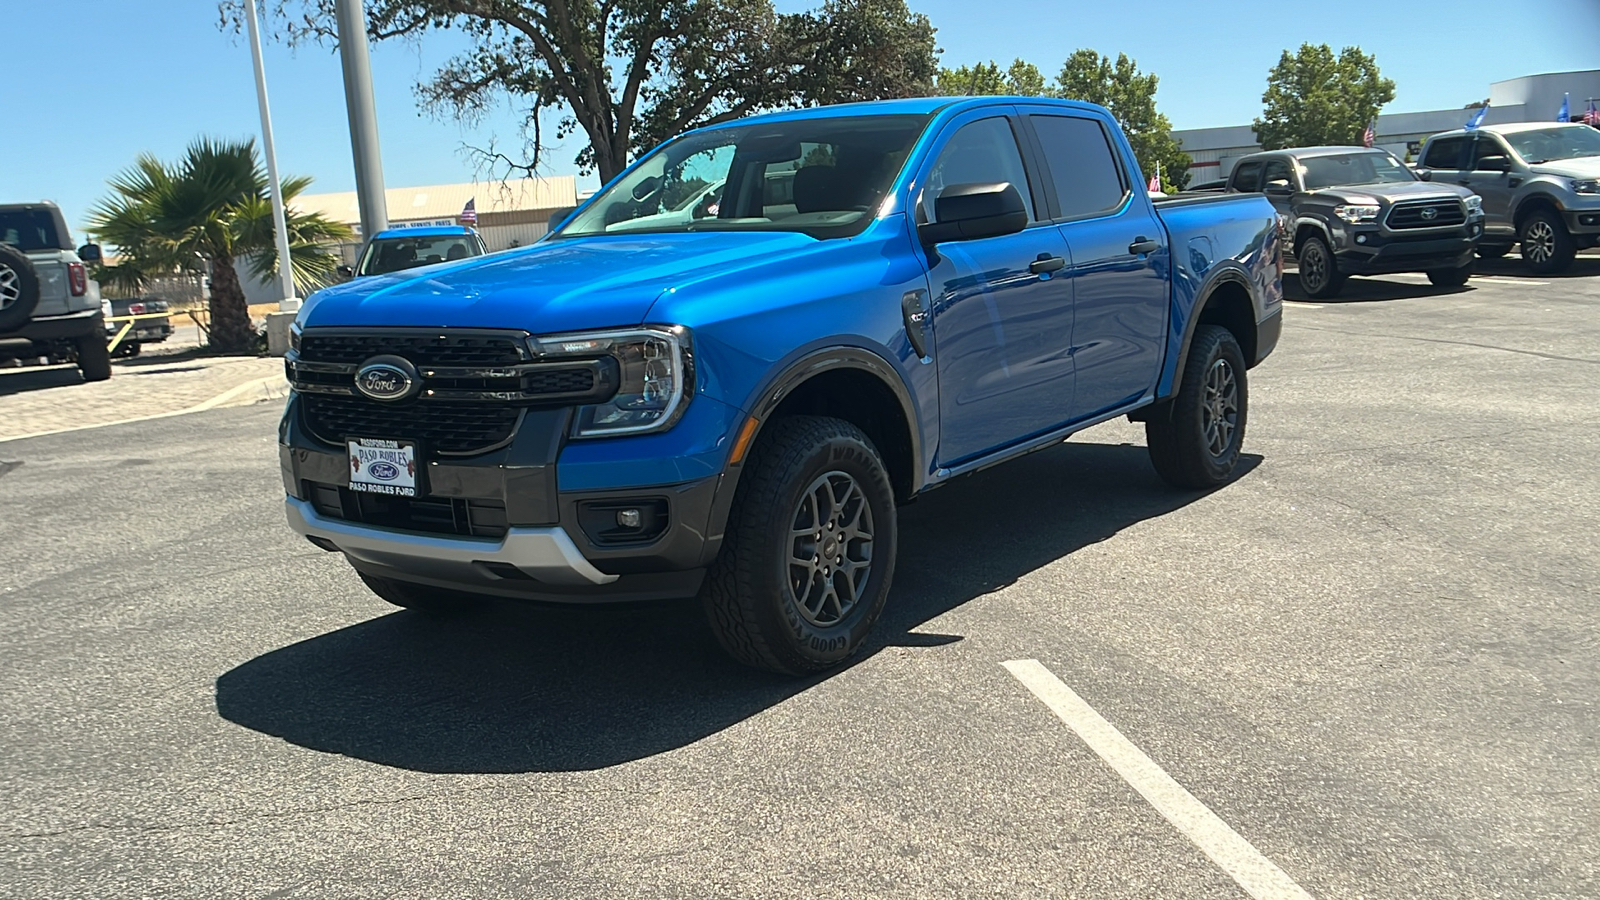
(94, 82)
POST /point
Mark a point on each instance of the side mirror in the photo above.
(646, 187)
(968, 212)
(1279, 186)
(558, 216)
(1425, 174)
(1493, 164)
(90, 253)
(345, 271)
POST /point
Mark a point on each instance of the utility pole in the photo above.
(354, 58)
(288, 301)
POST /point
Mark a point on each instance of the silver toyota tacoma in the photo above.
(1540, 184)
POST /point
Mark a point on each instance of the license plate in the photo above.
(383, 467)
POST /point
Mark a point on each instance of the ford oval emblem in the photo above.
(388, 378)
(384, 471)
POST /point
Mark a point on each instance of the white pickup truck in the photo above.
(48, 305)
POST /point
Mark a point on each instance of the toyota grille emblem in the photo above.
(1429, 213)
(388, 378)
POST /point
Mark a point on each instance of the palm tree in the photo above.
(211, 209)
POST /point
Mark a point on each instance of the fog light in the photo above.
(1361, 239)
(629, 518)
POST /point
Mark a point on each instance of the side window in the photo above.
(1083, 166)
(981, 152)
(1276, 170)
(1446, 153)
(1487, 146)
(1247, 176)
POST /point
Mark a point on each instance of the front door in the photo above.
(1496, 188)
(1119, 262)
(1002, 315)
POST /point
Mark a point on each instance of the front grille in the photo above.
(435, 515)
(1414, 214)
(447, 428)
(422, 348)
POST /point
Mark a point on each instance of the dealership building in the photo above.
(1532, 98)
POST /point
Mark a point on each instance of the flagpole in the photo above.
(288, 301)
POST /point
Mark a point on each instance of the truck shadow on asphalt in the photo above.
(526, 689)
(1370, 290)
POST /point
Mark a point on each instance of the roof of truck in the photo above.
(913, 106)
(423, 231)
(1512, 128)
(1319, 151)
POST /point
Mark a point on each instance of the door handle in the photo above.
(1464, 182)
(1142, 244)
(1047, 263)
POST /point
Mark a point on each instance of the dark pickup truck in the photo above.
(1360, 211)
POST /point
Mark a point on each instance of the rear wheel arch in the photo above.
(1227, 302)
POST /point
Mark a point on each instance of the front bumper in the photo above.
(1371, 249)
(1583, 221)
(546, 539)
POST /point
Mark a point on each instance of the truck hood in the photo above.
(566, 285)
(1392, 193)
(1581, 167)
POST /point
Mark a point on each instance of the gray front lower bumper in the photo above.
(544, 554)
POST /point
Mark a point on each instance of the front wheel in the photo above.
(1319, 269)
(809, 549)
(1195, 441)
(1450, 277)
(1546, 246)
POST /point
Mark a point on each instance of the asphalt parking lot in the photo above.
(1374, 657)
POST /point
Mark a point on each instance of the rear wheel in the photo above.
(1195, 442)
(420, 597)
(94, 357)
(1319, 269)
(809, 550)
(1547, 248)
(1451, 277)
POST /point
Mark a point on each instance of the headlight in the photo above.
(1474, 203)
(1586, 186)
(294, 336)
(1356, 213)
(656, 377)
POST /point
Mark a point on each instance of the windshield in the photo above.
(395, 253)
(1557, 142)
(824, 177)
(1353, 168)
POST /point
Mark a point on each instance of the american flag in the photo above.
(1367, 137)
(1592, 116)
(469, 213)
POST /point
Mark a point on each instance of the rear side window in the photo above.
(29, 229)
(1447, 153)
(1083, 166)
(1247, 177)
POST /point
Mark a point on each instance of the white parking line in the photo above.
(1233, 854)
(1489, 279)
(1301, 305)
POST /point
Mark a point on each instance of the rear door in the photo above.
(1119, 259)
(1002, 318)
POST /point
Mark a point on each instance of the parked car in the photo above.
(143, 330)
(734, 406)
(1361, 211)
(48, 305)
(406, 248)
(1540, 184)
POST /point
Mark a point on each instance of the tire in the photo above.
(1192, 446)
(1450, 277)
(94, 356)
(1493, 251)
(19, 288)
(434, 601)
(773, 597)
(1319, 269)
(1547, 247)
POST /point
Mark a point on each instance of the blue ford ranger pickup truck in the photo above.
(885, 296)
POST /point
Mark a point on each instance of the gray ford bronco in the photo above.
(48, 305)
